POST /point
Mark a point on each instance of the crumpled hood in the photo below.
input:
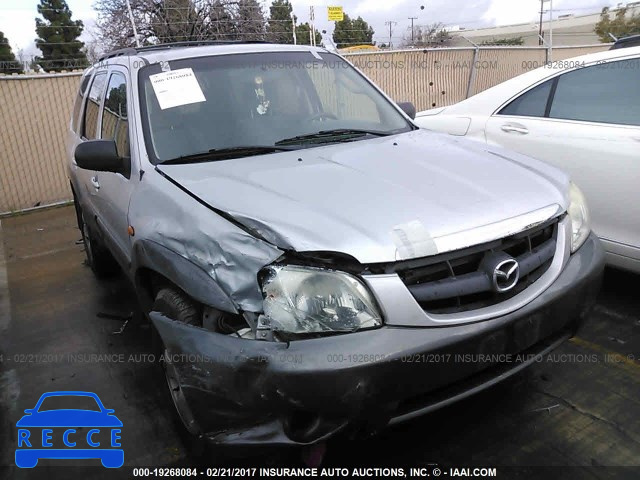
(378, 200)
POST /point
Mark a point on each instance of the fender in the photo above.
(191, 278)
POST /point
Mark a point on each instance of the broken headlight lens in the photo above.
(304, 300)
(580, 218)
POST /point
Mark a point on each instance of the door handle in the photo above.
(514, 128)
(95, 183)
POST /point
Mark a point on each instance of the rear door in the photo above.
(113, 190)
(587, 122)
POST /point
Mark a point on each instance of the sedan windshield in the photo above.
(230, 106)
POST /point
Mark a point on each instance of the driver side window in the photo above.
(92, 107)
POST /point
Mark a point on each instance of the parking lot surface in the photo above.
(62, 329)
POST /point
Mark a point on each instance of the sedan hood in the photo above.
(380, 200)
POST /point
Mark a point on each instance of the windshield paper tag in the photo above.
(176, 88)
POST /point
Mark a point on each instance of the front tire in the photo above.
(177, 306)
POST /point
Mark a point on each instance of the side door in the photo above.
(113, 190)
(89, 129)
(587, 122)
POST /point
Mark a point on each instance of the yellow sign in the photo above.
(335, 14)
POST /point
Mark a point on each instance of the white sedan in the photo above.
(582, 115)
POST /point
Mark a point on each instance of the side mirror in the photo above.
(29, 411)
(408, 108)
(100, 155)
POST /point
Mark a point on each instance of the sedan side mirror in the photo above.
(100, 155)
(408, 108)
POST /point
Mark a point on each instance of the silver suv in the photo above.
(311, 260)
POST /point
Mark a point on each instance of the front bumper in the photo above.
(252, 392)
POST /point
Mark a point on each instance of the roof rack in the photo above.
(164, 46)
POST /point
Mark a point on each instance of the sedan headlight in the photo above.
(580, 219)
(303, 300)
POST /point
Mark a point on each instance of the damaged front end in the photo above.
(230, 392)
(226, 374)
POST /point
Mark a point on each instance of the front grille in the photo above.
(462, 281)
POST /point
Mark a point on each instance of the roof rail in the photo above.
(163, 46)
(118, 53)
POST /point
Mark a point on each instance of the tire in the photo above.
(99, 258)
(176, 305)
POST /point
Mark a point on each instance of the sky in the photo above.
(18, 24)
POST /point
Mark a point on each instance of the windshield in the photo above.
(199, 105)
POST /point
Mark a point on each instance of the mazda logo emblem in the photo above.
(506, 275)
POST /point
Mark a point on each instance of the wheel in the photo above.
(99, 258)
(176, 305)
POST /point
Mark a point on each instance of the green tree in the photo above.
(279, 28)
(249, 20)
(621, 25)
(431, 35)
(173, 21)
(504, 41)
(348, 32)
(303, 34)
(58, 37)
(8, 62)
(280, 25)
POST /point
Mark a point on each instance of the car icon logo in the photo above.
(79, 433)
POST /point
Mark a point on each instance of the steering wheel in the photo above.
(321, 115)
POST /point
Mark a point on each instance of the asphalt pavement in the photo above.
(63, 329)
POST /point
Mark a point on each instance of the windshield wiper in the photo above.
(226, 153)
(335, 135)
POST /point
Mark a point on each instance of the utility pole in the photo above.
(550, 30)
(412, 19)
(293, 25)
(540, 30)
(312, 30)
(390, 24)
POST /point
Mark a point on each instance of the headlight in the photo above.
(580, 219)
(303, 300)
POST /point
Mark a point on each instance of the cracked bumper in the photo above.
(251, 392)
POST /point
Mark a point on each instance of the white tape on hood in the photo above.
(413, 240)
